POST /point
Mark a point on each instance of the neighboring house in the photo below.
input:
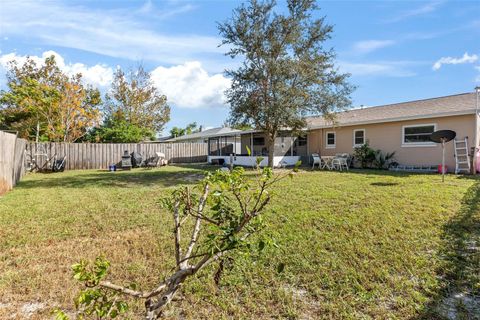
(402, 127)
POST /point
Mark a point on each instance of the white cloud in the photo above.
(190, 86)
(449, 60)
(186, 85)
(424, 9)
(394, 69)
(119, 33)
(367, 46)
(149, 8)
(98, 75)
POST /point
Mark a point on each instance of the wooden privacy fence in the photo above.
(12, 153)
(101, 155)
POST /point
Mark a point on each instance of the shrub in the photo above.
(371, 158)
(383, 160)
(364, 155)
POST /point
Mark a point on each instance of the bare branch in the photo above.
(196, 229)
(209, 259)
(127, 291)
(178, 248)
(194, 256)
(203, 217)
(112, 306)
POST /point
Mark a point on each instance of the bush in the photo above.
(364, 155)
(370, 158)
(383, 160)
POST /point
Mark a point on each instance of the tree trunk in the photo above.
(37, 134)
(271, 148)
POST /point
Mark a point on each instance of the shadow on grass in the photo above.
(123, 179)
(459, 296)
(372, 172)
(384, 184)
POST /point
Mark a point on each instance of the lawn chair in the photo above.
(340, 161)
(316, 160)
(155, 161)
(59, 164)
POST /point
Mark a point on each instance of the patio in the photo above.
(244, 148)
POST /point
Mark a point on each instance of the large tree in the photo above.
(286, 72)
(43, 102)
(134, 104)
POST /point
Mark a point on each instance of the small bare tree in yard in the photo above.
(211, 221)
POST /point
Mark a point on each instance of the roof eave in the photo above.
(406, 118)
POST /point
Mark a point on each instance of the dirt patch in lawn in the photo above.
(38, 278)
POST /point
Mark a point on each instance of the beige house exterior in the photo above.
(402, 127)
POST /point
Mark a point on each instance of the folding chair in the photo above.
(316, 160)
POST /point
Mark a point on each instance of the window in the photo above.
(259, 141)
(330, 139)
(418, 134)
(302, 141)
(358, 137)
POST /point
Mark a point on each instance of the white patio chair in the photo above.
(316, 160)
(340, 161)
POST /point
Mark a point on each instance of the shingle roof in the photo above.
(205, 134)
(464, 103)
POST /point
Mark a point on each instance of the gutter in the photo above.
(426, 116)
(475, 159)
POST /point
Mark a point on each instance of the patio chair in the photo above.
(155, 161)
(316, 160)
(59, 164)
(340, 161)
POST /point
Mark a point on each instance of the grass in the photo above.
(357, 245)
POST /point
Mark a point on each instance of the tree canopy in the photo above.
(134, 109)
(286, 72)
(44, 103)
(189, 129)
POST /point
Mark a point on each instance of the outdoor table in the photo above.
(327, 162)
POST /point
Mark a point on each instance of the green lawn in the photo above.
(357, 245)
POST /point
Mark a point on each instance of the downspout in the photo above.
(477, 94)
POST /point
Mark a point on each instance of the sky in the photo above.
(394, 50)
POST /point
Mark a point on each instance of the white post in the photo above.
(443, 160)
(251, 143)
(476, 141)
(292, 143)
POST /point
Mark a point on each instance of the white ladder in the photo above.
(462, 159)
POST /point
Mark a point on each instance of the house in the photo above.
(402, 127)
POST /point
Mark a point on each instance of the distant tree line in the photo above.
(42, 103)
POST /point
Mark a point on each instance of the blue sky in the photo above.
(395, 50)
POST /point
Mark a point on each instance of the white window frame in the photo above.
(330, 146)
(417, 144)
(355, 145)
